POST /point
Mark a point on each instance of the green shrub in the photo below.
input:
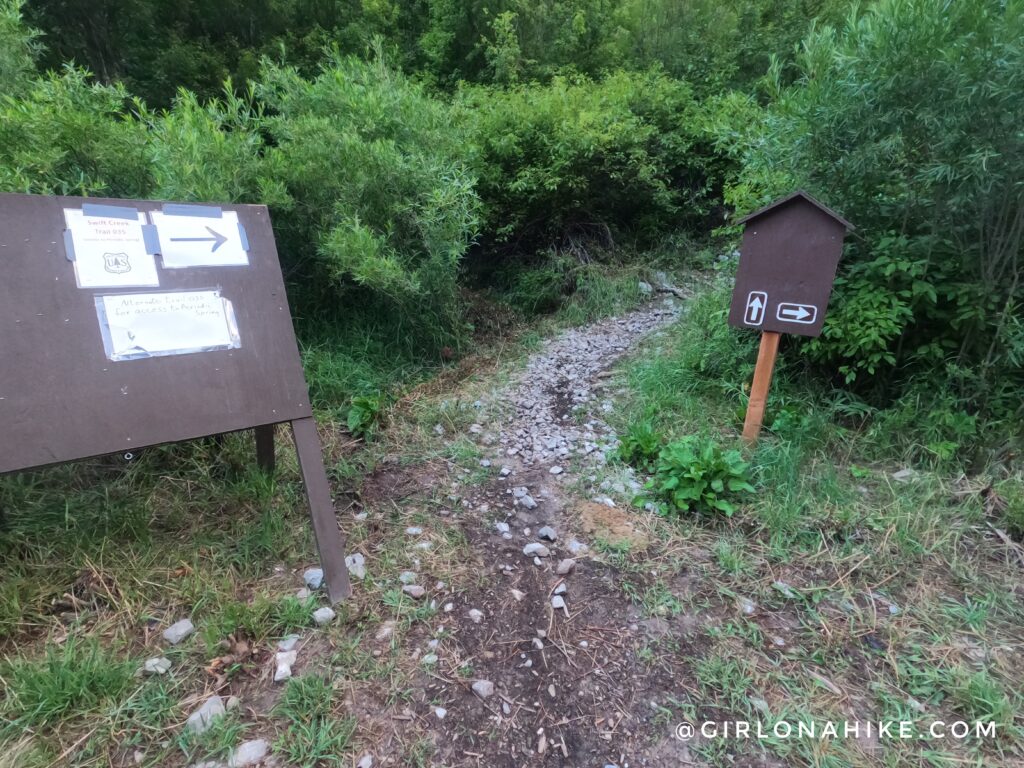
(579, 162)
(695, 474)
(363, 414)
(905, 121)
(384, 207)
(641, 444)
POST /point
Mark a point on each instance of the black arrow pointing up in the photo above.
(218, 239)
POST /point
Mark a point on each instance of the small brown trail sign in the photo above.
(788, 262)
(126, 324)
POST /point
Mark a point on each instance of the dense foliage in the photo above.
(394, 138)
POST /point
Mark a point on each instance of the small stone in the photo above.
(786, 590)
(178, 631)
(356, 565)
(414, 590)
(385, 630)
(547, 532)
(284, 661)
(584, 644)
(202, 718)
(555, 470)
(313, 577)
(248, 753)
(519, 596)
(414, 530)
(323, 616)
(551, 691)
(361, 516)
(424, 545)
(645, 288)
(505, 708)
(302, 594)
(561, 589)
(485, 463)
(538, 644)
(475, 615)
(576, 547)
(903, 476)
(407, 577)
(747, 606)
(429, 659)
(440, 713)
(565, 566)
(366, 761)
(232, 703)
(537, 549)
(502, 527)
(483, 688)
(157, 666)
(558, 602)
(528, 502)
(287, 643)
(505, 471)
(449, 607)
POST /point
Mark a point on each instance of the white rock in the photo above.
(519, 596)
(356, 565)
(202, 718)
(476, 616)
(248, 753)
(313, 577)
(284, 661)
(156, 666)
(528, 502)
(558, 602)
(555, 470)
(414, 530)
(577, 547)
(323, 616)
(502, 527)
(366, 761)
(178, 631)
(506, 471)
(287, 643)
(536, 548)
(302, 594)
(440, 712)
(407, 577)
(429, 659)
(414, 590)
(565, 566)
(547, 532)
(561, 589)
(483, 688)
(385, 630)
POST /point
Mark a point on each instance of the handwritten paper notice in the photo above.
(110, 252)
(155, 324)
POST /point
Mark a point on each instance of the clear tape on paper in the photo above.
(135, 326)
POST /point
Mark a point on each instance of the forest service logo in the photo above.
(116, 263)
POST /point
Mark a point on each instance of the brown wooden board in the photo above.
(788, 262)
(62, 399)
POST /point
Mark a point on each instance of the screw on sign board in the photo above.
(788, 262)
(127, 324)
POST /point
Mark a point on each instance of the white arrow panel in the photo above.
(797, 313)
(200, 241)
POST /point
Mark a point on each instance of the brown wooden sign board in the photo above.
(126, 324)
(788, 262)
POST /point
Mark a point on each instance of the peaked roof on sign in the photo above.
(788, 198)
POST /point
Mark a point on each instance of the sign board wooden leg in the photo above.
(265, 457)
(759, 388)
(329, 543)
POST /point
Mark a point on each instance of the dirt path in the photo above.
(543, 658)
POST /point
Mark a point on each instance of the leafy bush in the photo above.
(363, 414)
(695, 474)
(382, 199)
(579, 161)
(906, 120)
(641, 444)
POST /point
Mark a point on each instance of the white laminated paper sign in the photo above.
(109, 251)
(200, 241)
(143, 325)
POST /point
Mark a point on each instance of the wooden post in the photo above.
(321, 508)
(759, 388)
(265, 457)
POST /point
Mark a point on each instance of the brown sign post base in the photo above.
(766, 355)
